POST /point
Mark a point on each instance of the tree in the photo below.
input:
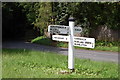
(41, 14)
(38, 14)
(13, 20)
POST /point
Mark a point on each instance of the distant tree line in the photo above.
(18, 17)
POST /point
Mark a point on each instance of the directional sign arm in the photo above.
(84, 42)
(58, 29)
(77, 29)
(60, 38)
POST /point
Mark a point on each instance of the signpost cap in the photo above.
(71, 18)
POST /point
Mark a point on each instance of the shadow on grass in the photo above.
(15, 51)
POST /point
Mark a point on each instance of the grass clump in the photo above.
(22, 63)
(42, 40)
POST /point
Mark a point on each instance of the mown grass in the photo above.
(99, 45)
(22, 63)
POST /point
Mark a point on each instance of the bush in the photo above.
(106, 43)
(42, 40)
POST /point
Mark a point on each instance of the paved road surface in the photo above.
(79, 53)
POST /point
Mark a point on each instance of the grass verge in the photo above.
(22, 63)
(99, 45)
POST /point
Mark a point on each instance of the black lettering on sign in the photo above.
(60, 38)
(75, 41)
(77, 38)
(77, 44)
(66, 38)
(88, 43)
(81, 42)
(55, 37)
(77, 29)
(80, 39)
(83, 45)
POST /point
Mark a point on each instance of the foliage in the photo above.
(62, 44)
(107, 43)
(30, 10)
(17, 63)
(98, 14)
(38, 14)
(60, 13)
(13, 20)
(42, 40)
(88, 15)
(44, 15)
(41, 14)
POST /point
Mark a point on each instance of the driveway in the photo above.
(79, 53)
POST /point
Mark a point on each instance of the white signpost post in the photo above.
(73, 41)
(70, 46)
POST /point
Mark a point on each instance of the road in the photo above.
(79, 53)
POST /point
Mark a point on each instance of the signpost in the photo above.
(58, 29)
(77, 41)
(60, 38)
(73, 41)
(84, 42)
(70, 46)
(77, 29)
(61, 29)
